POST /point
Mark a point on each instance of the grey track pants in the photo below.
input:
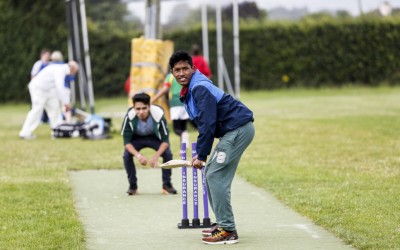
(220, 171)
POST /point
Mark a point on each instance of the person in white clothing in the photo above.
(42, 63)
(47, 90)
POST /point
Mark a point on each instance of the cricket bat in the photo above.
(175, 164)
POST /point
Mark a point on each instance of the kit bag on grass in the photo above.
(67, 130)
(94, 127)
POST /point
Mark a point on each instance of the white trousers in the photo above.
(178, 113)
(42, 100)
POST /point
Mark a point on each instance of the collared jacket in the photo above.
(160, 126)
(214, 112)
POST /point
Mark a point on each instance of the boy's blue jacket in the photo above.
(214, 112)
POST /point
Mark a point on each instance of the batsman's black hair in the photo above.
(141, 97)
(180, 56)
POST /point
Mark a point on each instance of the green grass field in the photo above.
(332, 155)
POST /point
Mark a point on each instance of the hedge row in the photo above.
(273, 55)
(23, 33)
(25, 30)
(312, 55)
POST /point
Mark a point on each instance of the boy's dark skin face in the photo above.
(182, 71)
(142, 110)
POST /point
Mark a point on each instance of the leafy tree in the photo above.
(111, 15)
(27, 26)
(184, 20)
(343, 14)
(191, 18)
(247, 10)
(322, 16)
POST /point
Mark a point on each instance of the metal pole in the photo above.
(236, 51)
(87, 55)
(227, 79)
(152, 26)
(360, 7)
(158, 20)
(219, 46)
(147, 20)
(70, 48)
(204, 28)
(153, 20)
(77, 48)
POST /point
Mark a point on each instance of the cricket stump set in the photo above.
(195, 221)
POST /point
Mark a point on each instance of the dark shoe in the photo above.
(169, 189)
(208, 232)
(132, 191)
(220, 237)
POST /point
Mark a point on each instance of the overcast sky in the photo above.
(352, 6)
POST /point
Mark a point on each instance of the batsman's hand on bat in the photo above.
(198, 164)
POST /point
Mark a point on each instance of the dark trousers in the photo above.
(45, 117)
(179, 126)
(140, 142)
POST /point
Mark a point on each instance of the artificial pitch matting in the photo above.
(113, 220)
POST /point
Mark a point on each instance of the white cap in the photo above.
(57, 56)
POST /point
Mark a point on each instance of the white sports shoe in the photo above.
(28, 137)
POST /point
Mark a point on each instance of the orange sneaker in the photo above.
(220, 237)
(209, 231)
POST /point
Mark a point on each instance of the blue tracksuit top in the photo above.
(214, 112)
